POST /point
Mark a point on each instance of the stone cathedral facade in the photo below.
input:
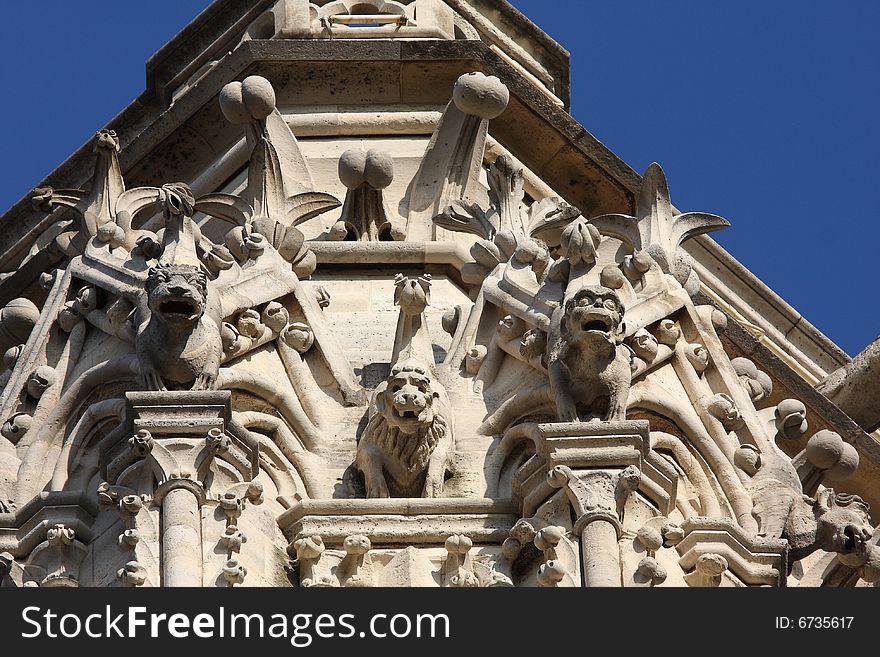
(347, 298)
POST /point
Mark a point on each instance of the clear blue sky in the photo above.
(763, 112)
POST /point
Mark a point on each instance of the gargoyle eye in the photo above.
(610, 304)
(585, 301)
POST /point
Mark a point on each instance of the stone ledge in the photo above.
(400, 522)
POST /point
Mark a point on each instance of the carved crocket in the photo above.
(589, 367)
(178, 336)
(407, 446)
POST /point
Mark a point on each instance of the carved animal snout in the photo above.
(409, 400)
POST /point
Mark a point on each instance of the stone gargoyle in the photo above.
(834, 522)
(407, 445)
(178, 334)
(589, 367)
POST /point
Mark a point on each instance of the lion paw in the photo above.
(151, 379)
(205, 381)
(433, 487)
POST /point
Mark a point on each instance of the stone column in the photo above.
(597, 464)
(178, 434)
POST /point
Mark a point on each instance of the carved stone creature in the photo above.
(834, 522)
(589, 367)
(407, 446)
(178, 337)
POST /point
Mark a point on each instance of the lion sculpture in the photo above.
(178, 336)
(407, 445)
(589, 367)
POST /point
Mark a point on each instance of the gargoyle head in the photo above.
(407, 401)
(177, 294)
(842, 522)
(594, 312)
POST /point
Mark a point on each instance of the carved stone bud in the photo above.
(533, 344)
(480, 95)
(747, 458)
(511, 548)
(373, 168)
(612, 277)
(579, 241)
(650, 537)
(487, 254)
(128, 539)
(131, 504)
(548, 537)
(757, 383)
(356, 544)
(824, 448)
(672, 534)
(827, 451)
(698, 357)
(724, 409)
(234, 572)
(550, 573)
(322, 296)
(252, 99)
(644, 345)
(791, 419)
(474, 358)
(667, 332)
(450, 320)
(141, 443)
(254, 245)
(275, 316)
(60, 535)
(16, 426)
(458, 544)
(17, 320)
(299, 336)
(707, 571)
(651, 571)
(233, 538)
(510, 327)
(6, 561)
(10, 358)
(249, 324)
(132, 574)
(308, 548)
(40, 381)
(636, 265)
(217, 441)
(68, 317)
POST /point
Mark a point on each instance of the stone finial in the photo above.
(658, 231)
(365, 215)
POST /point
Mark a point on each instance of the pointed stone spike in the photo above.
(653, 205)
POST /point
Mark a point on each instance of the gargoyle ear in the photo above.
(379, 396)
(825, 499)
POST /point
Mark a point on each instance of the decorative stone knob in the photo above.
(252, 99)
(480, 95)
(373, 167)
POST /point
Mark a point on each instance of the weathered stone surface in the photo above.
(364, 306)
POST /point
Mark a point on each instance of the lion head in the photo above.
(594, 312)
(843, 524)
(409, 418)
(177, 293)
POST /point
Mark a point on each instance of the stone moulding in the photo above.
(752, 560)
(400, 522)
